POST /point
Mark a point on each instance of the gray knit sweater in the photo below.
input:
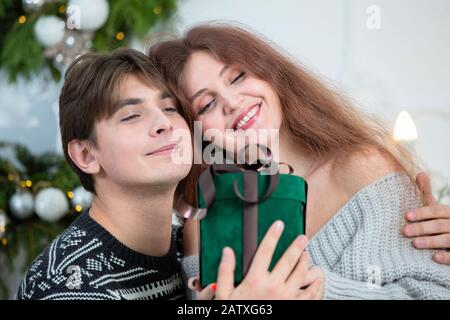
(363, 252)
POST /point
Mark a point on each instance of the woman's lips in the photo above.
(247, 118)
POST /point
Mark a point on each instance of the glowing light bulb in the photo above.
(404, 128)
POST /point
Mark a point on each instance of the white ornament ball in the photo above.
(70, 41)
(4, 221)
(92, 14)
(32, 5)
(22, 205)
(49, 30)
(51, 204)
(81, 197)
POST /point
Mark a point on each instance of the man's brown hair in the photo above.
(90, 94)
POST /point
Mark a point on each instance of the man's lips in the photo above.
(245, 113)
(166, 149)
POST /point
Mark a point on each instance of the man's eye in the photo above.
(239, 77)
(130, 117)
(207, 107)
(170, 109)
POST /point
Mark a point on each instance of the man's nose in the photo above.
(160, 123)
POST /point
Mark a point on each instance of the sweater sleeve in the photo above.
(338, 288)
(364, 254)
(190, 269)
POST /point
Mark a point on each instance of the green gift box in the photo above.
(239, 206)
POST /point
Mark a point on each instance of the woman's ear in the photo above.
(80, 151)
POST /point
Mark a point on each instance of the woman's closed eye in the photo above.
(209, 106)
(213, 102)
(239, 77)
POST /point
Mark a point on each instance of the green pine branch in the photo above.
(22, 56)
(33, 234)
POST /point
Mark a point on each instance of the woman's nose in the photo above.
(232, 103)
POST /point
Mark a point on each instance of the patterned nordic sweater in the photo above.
(87, 263)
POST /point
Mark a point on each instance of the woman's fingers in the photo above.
(313, 273)
(299, 276)
(208, 292)
(423, 181)
(194, 284)
(312, 292)
(290, 259)
(261, 261)
(430, 227)
(225, 278)
(433, 242)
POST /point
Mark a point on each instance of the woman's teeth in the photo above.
(247, 117)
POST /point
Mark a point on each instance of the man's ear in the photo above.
(80, 151)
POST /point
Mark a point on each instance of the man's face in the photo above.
(134, 145)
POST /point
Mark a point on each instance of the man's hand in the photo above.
(430, 225)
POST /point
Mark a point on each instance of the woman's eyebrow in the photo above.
(223, 70)
(197, 94)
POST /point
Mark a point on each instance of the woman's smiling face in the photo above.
(226, 98)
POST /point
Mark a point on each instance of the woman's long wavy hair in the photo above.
(320, 120)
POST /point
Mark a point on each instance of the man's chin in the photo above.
(168, 178)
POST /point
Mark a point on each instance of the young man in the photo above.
(117, 122)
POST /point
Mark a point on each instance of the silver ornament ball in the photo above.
(51, 204)
(81, 197)
(32, 5)
(49, 31)
(4, 221)
(22, 205)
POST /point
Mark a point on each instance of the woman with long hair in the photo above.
(360, 182)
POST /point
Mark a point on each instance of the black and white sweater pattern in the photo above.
(87, 263)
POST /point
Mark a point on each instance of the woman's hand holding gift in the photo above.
(291, 278)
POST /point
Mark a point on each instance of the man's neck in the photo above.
(140, 219)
